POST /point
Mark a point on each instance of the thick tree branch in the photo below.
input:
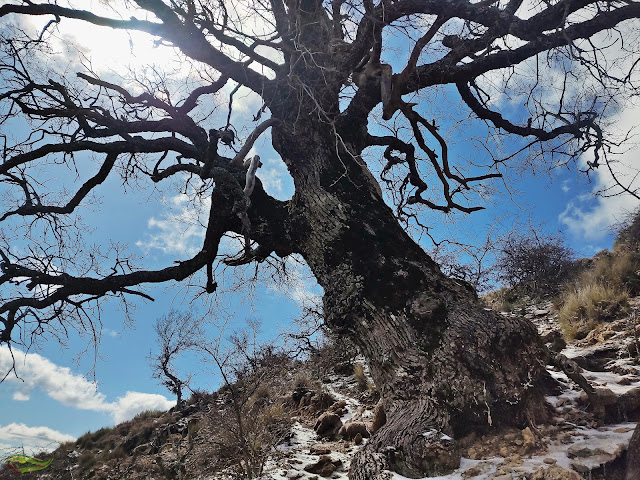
(83, 191)
(134, 145)
(244, 151)
(575, 129)
(186, 37)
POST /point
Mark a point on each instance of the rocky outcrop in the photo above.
(555, 473)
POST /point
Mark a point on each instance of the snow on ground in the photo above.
(305, 448)
(574, 443)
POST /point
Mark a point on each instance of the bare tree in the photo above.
(321, 68)
(535, 263)
(176, 334)
(245, 367)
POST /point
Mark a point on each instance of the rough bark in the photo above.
(446, 366)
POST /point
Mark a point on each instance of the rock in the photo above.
(606, 396)
(328, 425)
(578, 467)
(550, 461)
(633, 456)
(554, 340)
(541, 312)
(528, 439)
(579, 450)
(357, 440)
(630, 400)
(437, 447)
(379, 417)
(338, 406)
(476, 470)
(319, 450)
(555, 473)
(350, 429)
(324, 467)
(623, 430)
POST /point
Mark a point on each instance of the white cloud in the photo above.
(59, 383)
(272, 181)
(276, 179)
(73, 390)
(32, 439)
(180, 230)
(21, 396)
(133, 403)
(20, 431)
(591, 217)
(110, 332)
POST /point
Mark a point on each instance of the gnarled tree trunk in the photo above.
(446, 366)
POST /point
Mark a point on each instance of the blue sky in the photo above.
(61, 395)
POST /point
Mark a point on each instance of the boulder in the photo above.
(554, 340)
(350, 429)
(555, 472)
(633, 457)
(379, 417)
(328, 425)
(324, 467)
(339, 407)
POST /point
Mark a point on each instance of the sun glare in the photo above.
(119, 50)
(108, 49)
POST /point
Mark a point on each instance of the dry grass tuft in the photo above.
(589, 304)
(361, 377)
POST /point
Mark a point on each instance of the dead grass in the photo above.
(587, 305)
(618, 270)
(361, 377)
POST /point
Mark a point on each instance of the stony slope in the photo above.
(306, 416)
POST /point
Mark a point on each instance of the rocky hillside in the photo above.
(289, 420)
(307, 421)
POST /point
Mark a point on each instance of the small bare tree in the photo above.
(177, 333)
(249, 421)
(533, 263)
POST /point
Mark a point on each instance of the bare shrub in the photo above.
(505, 300)
(534, 264)
(251, 419)
(336, 355)
(176, 334)
(628, 233)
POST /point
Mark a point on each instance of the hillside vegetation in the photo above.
(286, 419)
